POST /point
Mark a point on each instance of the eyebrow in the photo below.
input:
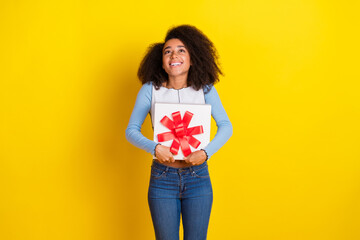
(177, 46)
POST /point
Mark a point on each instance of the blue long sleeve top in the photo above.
(142, 108)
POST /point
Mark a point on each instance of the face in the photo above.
(176, 58)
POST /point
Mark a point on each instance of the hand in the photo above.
(196, 158)
(163, 154)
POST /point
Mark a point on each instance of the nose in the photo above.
(173, 55)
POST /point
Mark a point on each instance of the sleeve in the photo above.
(224, 126)
(138, 115)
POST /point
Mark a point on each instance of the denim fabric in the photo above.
(175, 191)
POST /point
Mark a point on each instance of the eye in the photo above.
(182, 50)
(167, 52)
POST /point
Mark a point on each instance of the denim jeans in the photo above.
(175, 191)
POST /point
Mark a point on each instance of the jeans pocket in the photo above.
(201, 173)
(157, 173)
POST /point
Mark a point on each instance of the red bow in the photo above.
(180, 132)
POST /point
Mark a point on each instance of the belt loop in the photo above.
(192, 172)
(167, 169)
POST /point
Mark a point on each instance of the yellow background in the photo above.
(68, 80)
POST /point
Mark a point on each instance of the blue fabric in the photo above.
(175, 191)
(142, 108)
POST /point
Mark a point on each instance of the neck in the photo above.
(177, 82)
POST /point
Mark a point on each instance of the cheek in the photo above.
(163, 62)
(189, 59)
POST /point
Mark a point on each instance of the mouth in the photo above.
(175, 64)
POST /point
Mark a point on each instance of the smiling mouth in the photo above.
(175, 64)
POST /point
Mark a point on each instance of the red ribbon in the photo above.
(180, 132)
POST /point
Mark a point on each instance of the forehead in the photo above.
(174, 42)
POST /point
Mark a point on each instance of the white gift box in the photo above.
(201, 117)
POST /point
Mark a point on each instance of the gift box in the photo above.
(184, 128)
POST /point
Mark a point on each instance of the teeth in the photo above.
(175, 64)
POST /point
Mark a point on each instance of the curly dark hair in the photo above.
(204, 71)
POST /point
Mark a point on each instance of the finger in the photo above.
(195, 162)
(172, 159)
(187, 159)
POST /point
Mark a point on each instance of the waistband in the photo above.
(175, 170)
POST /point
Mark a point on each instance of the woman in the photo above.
(183, 69)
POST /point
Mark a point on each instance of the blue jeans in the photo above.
(175, 191)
